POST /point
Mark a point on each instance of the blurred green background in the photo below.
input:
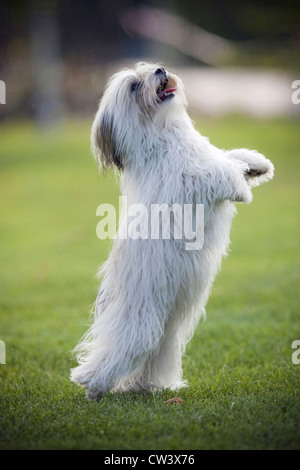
(55, 58)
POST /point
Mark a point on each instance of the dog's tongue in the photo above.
(168, 90)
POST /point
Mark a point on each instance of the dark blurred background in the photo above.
(237, 56)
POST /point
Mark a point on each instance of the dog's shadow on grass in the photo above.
(135, 399)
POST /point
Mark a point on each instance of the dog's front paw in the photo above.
(259, 172)
(260, 169)
(253, 172)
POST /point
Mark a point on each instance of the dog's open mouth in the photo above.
(163, 92)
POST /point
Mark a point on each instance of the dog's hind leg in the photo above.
(165, 367)
(117, 350)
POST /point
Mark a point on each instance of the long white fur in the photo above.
(153, 292)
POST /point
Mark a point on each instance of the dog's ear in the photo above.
(103, 140)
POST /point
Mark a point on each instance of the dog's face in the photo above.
(136, 105)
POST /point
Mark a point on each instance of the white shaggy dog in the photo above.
(154, 292)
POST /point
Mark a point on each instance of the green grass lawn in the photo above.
(244, 388)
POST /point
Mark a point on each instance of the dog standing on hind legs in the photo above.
(153, 292)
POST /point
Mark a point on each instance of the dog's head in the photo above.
(136, 106)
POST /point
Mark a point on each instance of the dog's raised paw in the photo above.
(252, 172)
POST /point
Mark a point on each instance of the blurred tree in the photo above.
(46, 63)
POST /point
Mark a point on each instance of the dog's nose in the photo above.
(160, 71)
